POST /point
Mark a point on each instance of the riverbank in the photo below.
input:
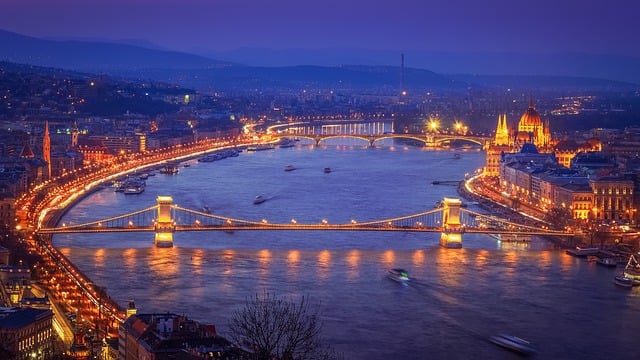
(503, 210)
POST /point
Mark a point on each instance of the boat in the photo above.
(169, 169)
(186, 165)
(513, 343)
(583, 252)
(259, 200)
(206, 209)
(133, 189)
(327, 170)
(623, 281)
(143, 176)
(287, 143)
(399, 275)
(289, 168)
(632, 270)
(607, 261)
(261, 147)
(456, 156)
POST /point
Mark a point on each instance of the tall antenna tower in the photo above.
(402, 93)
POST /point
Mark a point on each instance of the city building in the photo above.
(613, 198)
(165, 336)
(26, 333)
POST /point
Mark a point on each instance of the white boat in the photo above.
(289, 168)
(623, 281)
(261, 147)
(133, 189)
(399, 275)
(583, 252)
(513, 343)
(259, 200)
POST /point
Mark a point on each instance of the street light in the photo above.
(433, 125)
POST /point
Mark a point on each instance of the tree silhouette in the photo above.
(282, 329)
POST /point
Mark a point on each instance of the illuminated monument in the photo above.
(531, 130)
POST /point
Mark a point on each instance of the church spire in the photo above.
(74, 135)
(502, 131)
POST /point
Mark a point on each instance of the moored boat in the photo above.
(623, 281)
(327, 170)
(261, 147)
(289, 168)
(513, 343)
(583, 252)
(169, 169)
(133, 189)
(607, 261)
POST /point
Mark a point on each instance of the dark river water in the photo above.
(457, 298)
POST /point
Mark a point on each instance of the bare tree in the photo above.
(282, 329)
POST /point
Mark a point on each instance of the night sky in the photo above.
(547, 26)
(542, 37)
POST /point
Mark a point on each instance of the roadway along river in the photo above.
(457, 298)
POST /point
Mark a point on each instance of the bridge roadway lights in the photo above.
(450, 237)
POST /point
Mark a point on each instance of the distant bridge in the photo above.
(165, 218)
(369, 132)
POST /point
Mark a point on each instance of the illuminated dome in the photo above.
(530, 119)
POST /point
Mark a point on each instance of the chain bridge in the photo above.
(451, 221)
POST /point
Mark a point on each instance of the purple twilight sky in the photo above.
(542, 26)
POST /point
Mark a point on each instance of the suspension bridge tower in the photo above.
(451, 235)
(164, 226)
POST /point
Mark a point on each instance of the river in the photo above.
(457, 298)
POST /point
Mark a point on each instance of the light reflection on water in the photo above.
(454, 301)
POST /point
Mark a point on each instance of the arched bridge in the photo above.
(428, 140)
(367, 131)
(165, 218)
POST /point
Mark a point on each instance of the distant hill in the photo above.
(94, 56)
(201, 72)
(376, 79)
(585, 65)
